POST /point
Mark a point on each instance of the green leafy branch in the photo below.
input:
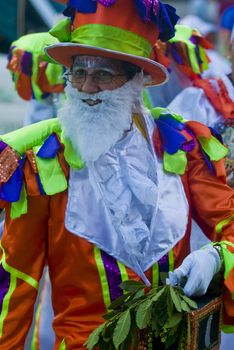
(159, 313)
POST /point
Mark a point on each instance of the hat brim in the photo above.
(63, 53)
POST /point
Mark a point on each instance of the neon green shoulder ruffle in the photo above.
(39, 145)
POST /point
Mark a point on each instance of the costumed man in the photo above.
(97, 193)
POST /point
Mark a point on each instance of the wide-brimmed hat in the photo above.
(119, 29)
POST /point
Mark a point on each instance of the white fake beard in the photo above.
(93, 130)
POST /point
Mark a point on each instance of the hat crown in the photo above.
(122, 14)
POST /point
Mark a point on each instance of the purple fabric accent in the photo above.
(193, 40)
(113, 275)
(3, 145)
(49, 148)
(163, 264)
(169, 130)
(4, 284)
(188, 146)
(26, 63)
(10, 191)
(107, 3)
(174, 52)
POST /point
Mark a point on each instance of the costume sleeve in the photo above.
(212, 200)
(23, 254)
(212, 204)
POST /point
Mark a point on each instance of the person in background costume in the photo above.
(218, 65)
(95, 193)
(186, 57)
(36, 78)
(38, 81)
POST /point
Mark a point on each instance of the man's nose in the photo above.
(89, 86)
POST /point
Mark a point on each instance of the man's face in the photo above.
(92, 74)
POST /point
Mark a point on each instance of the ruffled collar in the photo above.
(132, 203)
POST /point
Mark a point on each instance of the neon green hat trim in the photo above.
(111, 38)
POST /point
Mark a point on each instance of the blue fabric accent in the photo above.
(215, 133)
(169, 119)
(87, 6)
(49, 148)
(169, 130)
(11, 190)
(143, 10)
(166, 21)
(207, 160)
(45, 95)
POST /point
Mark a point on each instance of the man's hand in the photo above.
(197, 269)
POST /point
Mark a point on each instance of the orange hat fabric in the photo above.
(115, 31)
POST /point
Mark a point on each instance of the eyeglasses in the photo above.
(99, 76)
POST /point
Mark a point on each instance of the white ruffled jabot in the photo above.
(127, 205)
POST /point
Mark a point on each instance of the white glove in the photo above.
(198, 269)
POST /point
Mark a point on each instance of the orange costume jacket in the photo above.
(84, 278)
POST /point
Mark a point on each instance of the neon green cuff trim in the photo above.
(102, 275)
(228, 257)
(51, 175)
(175, 163)
(21, 207)
(63, 345)
(213, 148)
(70, 154)
(25, 138)
(16, 273)
(111, 38)
(6, 301)
(227, 329)
(219, 227)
